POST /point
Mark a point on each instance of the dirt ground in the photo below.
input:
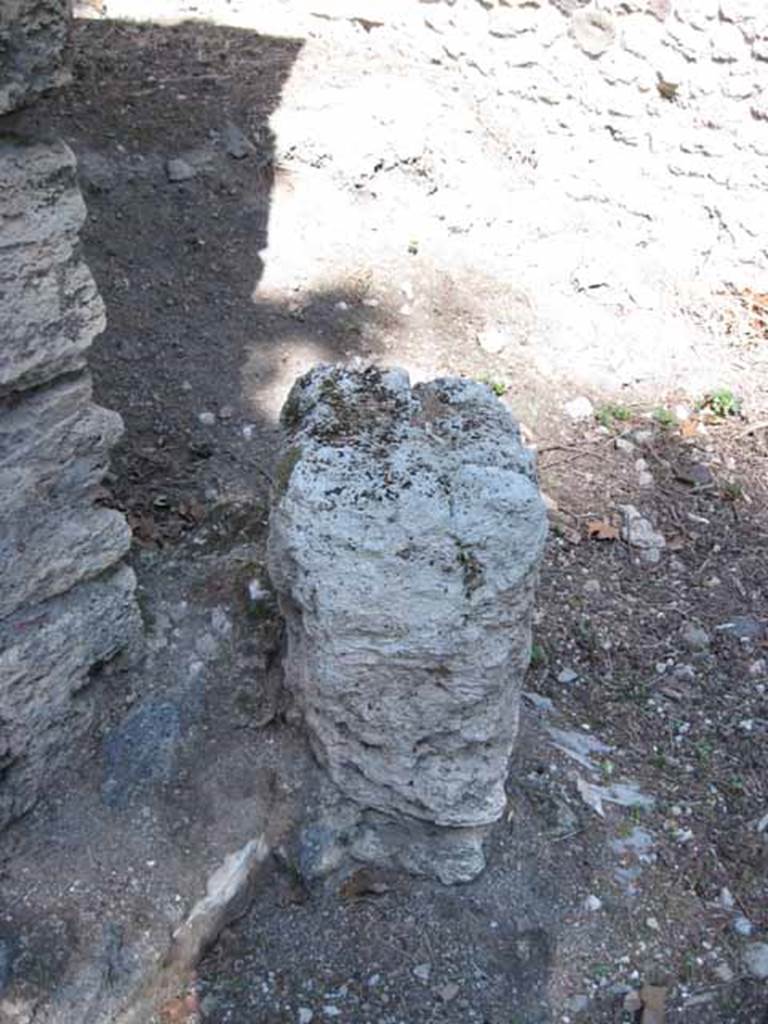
(648, 674)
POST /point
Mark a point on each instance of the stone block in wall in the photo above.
(64, 607)
(47, 656)
(51, 308)
(404, 543)
(50, 550)
(34, 44)
(54, 445)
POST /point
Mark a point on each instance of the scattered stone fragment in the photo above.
(625, 794)
(639, 533)
(179, 170)
(580, 408)
(623, 444)
(593, 588)
(448, 992)
(742, 925)
(422, 972)
(756, 959)
(567, 675)
(208, 419)
(592, 903)
(723, 972)
(632, 1002)
(539, 701)
(493, 340)
(578, 1003)
(744, 627)
(726, 899)
(696, 638)
(579, 745)
(305, 1015)
(235, 142)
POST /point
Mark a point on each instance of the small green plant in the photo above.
(664, 417)
(498, 386)
(722, 403)
(732, 490)
(609, 414)
(538, 656)
(703, 751)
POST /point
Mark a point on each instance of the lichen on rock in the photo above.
(404, 545)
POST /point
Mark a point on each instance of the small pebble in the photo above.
(756, 959)
(696, 638)
(567, 675)
(579, 408)
(422, 972)
(726, 899)
(448, 991)
(305, 1015)
(592, 903)
(742, 925)
(723, 973)
(179, 170)
(207, 419)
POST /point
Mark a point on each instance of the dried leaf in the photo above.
(598, 529)
(363, 882)
(144, 528)
(690, 427)
(654, 998)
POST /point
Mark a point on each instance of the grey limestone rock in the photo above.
(51, 308)
(34, 38)
(47, 653)
(405, 535)
(63, 607)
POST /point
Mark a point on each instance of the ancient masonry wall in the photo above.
(643, 122)
(66, 604)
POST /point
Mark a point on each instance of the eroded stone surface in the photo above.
(54, 448)
(34, 37)
(46, 654)
(404, 540)
(51, 308)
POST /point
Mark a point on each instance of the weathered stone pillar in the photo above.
(66, 605)
(405, 535)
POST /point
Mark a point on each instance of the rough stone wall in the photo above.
(404, 542)
(650, 116)
(34, 36)
(66, 605)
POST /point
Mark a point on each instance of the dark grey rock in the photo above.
(141, 752)
(235, 142)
